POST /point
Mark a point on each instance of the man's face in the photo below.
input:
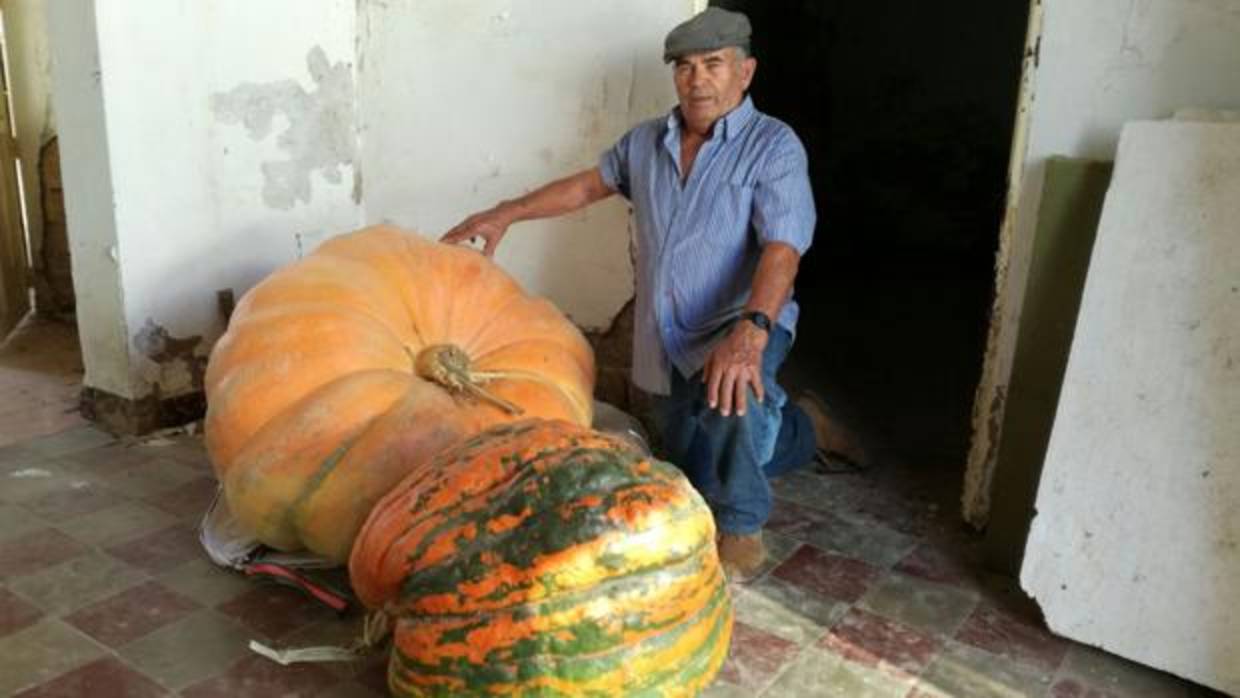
(711, 84)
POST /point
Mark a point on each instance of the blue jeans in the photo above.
(730, 459)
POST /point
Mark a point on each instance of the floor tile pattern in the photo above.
(104, 585)
(40, 380)
(872, 587)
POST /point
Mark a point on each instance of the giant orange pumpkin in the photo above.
(340, 373)
(544, 559)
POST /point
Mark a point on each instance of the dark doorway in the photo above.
(907, 111)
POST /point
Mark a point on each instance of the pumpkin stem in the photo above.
(447, 365)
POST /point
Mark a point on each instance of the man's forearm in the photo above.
(772, 284)
(557, 198)
(734, 365)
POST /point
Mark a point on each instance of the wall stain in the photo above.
(320, 135)
(172, 365)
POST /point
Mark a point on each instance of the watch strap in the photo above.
(759, 318)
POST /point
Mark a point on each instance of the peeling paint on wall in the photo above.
(169, 366)
(975, 501)
(320, 135)
(168, 374)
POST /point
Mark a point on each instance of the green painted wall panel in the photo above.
(1071, 206)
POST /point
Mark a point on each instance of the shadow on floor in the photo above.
(40, 379)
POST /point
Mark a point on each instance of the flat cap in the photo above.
(710, 30)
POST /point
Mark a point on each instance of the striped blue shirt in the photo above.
(698, 243)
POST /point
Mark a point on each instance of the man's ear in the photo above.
(749, 66)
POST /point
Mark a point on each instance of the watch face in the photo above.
(759, 318)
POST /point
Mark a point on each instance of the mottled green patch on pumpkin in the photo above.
(459, 635)
(579, 474)
(613, 561)
(587, 660)
(697, 665)
(546, 493)
(293, 513)
(584, 638)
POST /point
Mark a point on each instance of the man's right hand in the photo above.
(554, 199)
(490, 225)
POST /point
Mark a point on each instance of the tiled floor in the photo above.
(875, 591)
(869, 593)
(40, 379)
(105, 590)
(872, 590)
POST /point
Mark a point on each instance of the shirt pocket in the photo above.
(733, 211)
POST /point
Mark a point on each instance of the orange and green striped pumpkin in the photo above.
(344, 371)
(540, 558)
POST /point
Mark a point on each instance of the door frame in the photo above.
(989, 399)
(14, 250)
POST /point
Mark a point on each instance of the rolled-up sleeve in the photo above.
(783, 203)
(614, 165)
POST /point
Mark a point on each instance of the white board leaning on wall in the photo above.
(1135, 547)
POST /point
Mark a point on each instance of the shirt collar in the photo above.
(728, 126)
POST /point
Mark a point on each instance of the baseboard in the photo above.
(127, 416)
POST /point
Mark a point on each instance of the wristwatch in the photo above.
(759, 318)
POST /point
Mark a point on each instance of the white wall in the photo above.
(1102, 63)
(78, 91)
(205, 142)
(465, 104)
(1136, 544)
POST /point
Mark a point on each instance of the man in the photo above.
(723, 210)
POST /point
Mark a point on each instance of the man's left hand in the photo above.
(735, 366)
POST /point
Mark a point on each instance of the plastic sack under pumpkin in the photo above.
(342, 372)
(542, 558)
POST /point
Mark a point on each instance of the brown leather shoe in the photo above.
(741, 555)
(830, 434)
